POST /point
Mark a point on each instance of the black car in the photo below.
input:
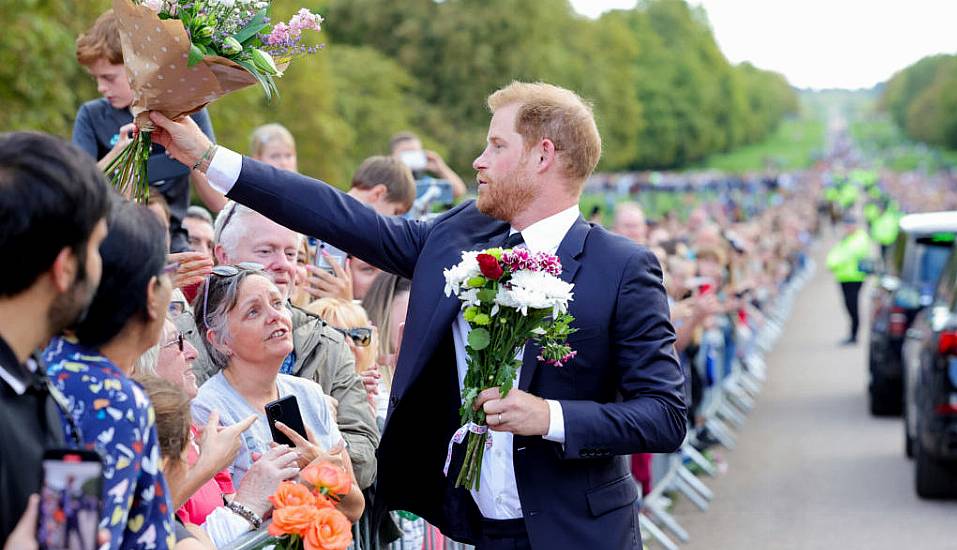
(912, 266)
(930, 389)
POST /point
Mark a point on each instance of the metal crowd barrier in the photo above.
(735, 384)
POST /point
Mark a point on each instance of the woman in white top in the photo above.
(248, 334)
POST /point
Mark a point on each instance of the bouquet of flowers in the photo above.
(304, 514)
(182, 54)
(509, 296)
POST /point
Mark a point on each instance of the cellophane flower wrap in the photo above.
(304, 514)
(509, 296)
(180, 55)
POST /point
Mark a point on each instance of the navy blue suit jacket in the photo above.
(622, 393)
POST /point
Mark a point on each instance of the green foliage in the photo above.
(664, 95)
(922, 100)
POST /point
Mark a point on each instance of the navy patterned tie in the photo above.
(513, 240)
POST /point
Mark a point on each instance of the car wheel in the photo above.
(885, 397)
(933, 479)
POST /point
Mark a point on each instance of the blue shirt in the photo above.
(117, 419)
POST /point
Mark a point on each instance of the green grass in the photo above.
(795, 144)
(883, 140)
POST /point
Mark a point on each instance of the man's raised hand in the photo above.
(182, 138)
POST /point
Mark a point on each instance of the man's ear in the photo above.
(153, 307)
(64, 269)
(220, 254)
(547, 155)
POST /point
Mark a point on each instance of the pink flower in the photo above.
(279, 36)
(304, 20)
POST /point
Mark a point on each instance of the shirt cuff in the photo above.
(224, 170)
(556, 422)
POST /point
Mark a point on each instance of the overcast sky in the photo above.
(824, 43)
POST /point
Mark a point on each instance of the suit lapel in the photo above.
(448, 307)
(568, 253)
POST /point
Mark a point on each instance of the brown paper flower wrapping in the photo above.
(155, 53)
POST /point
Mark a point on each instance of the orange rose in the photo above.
(327, 478)
(292, 494)
(293, 520)
(330, 531)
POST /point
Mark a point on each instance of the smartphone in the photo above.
(414, 159)
(285, 410)
(335, 255)
(70, 499)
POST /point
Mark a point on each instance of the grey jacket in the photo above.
(322, 356)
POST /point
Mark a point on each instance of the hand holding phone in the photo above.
(285, 410)
(70, 500)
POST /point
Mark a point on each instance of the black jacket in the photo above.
(29, 424)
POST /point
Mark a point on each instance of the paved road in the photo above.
(812, 470)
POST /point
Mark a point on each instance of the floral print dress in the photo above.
(116, 418)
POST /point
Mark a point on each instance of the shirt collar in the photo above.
(546, 235)
(12, 372)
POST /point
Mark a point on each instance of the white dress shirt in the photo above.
(498, 496)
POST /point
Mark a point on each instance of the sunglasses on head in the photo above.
(226, 272)
(362, 336)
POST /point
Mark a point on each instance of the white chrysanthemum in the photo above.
(535, 290)
(457, 275)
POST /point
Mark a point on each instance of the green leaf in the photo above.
(257, 24)
(479, 339)
(486, 295)
(195, 55)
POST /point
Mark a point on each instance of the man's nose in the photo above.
(479, 162)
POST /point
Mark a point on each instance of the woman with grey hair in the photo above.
(198, 496)
(248, 332)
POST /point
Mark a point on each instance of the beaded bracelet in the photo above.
(245, 513)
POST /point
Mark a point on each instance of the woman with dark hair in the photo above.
(109, 412)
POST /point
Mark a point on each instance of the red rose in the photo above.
(489, 266)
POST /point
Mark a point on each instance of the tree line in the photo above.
(664, 95)
(922, 100)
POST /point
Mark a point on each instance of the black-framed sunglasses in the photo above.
(225, 272)
(179, 341)
(361, 336)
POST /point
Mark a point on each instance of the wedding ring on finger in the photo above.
(500, 421)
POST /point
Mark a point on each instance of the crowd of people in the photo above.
(157, 334)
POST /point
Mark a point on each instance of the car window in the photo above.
(931, 259)
(945, 293)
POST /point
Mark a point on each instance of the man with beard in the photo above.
(556, 475)
(53, 207)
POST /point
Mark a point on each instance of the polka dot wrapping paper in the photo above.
(156, 54)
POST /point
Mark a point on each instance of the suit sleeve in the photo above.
(650, 416)
(315, 208)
